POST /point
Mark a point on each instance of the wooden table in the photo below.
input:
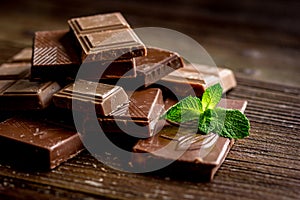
(258, 40)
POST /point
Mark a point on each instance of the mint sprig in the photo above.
(225, 122)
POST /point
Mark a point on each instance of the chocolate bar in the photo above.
(106, 37)
(27, 95)
(25, 55)
(193, 79)
(31, 142)
(14, 71)
(190, 155)
(140, 115)
(86, 96)
(54, 55)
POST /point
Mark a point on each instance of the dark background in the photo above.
(256, 38)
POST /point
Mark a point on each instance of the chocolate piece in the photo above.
(34, 143)
(98, 23)
(54, 55)
(191, 81)
(106, 37)
(83, 95)
(26, 95)
(151, 68)
(4, 84)
(25, 55)
(14, 71)
(140, 115)
(201, 159)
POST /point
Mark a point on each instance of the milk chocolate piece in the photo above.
(83, 95)
(140, 117)
(201, 159)
(106, 37)
(27, 95)
(25, 55)
(31, 142)
(54, 55)
(191, 81)
(14, 71)
(151, 68)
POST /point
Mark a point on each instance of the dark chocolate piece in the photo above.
(14, 71)
(85, 94)
(191, 81)
(140, 115)
(25, 55)
(27, 95)
(151, 68)
(98, 23)
(54, 55)
(201, 159)
(34, 143)
(106, 37)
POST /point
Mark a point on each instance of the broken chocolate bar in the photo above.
(193, 79)
(86, 96)
(31, 142)
(27, 95)
(106, 37)
(25, 55)
(14, 71)
(54, 55)
(151, 68)
(198, 155)
(140, 117)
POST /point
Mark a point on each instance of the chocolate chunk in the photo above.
(151, 68)
(201, 159)
(86, 94)
(31, 142)
(26, 95)
(25, 55)
(106, 37)
(98, 23)
(14, 71)
(54, 55)
(194, 79)
(140, 115)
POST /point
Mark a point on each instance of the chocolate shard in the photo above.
(193, 79)
(31, 142)
(27, 95)
(190, 155)
(25, 55)
(14, 71)
(140, 115)
(151, 68)
(106, 37)
(54, 55)
(86, 96)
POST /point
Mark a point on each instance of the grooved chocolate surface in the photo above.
(86, 94)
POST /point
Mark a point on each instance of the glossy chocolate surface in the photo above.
(194, 79)
(204, 153)
(86, 94)
(30, 141)
(14, 71)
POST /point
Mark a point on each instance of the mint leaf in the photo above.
(231, 123)
(185, 110)
(211, 97)
(206, 122)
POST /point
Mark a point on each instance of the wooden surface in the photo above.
(258, 40)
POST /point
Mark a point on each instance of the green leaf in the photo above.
(211, 97)
(231, 123)
(207, 121)
(185, 110)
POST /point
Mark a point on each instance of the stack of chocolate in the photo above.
(99, 65)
